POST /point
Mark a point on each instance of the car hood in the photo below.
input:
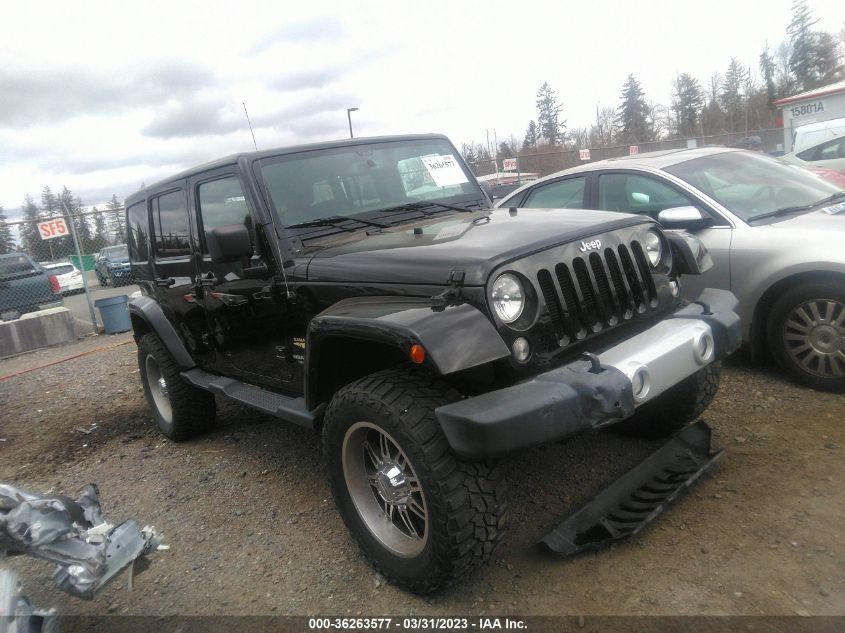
(426, 250)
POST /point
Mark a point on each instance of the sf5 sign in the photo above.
(50, 229)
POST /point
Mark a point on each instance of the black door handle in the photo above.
(166, 282)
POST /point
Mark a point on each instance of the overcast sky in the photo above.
(104, 96)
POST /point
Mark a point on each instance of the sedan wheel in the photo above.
(814, 337)
(806, 332)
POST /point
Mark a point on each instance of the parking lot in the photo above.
(247, 511)
(78, 304)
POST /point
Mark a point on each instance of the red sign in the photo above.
(584, 154)
(50, 229)
(509, 164)
(633, 149)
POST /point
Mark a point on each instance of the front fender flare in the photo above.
(151, 313)
(455, 338)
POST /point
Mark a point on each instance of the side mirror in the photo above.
(228, 243)
(682, 217)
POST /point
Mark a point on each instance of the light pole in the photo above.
(349, 112)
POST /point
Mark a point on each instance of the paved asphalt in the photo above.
(79, 306)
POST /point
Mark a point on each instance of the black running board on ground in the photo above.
(284, 407)
(639, 496)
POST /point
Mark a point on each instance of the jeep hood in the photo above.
(426, 250)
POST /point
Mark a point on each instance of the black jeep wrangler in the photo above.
(367, 290)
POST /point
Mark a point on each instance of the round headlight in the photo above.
(653, 248)
(508, 297)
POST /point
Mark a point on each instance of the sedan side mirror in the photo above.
(228, 243)
(682, 217)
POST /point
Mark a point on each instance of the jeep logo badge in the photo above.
(589, 246)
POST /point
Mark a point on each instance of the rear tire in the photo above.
(180, 410)
(806, 334)
(676, 407)
(436, 518)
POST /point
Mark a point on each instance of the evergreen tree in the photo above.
(49, 203)
(530, 140)
(549, 125)
(117, 221)
(732, 94)
(802, 61)
(505, 150)
(7, 240)
(30, 237)
(687, 102)
(632, 115)
(712, 118)
(101, 234)
(827, 57)
(768, 69)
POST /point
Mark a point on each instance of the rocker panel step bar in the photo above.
(639, 496)
(284, 407)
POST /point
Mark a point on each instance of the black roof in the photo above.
(278, 151)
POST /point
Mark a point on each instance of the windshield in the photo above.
(353, 180)
(118, 252)
(751, 184)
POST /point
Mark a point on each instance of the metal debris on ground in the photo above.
(88, 551)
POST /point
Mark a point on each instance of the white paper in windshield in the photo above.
(834, 209)
(444, 170)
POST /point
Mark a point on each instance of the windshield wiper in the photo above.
(422, 204)
(797, 208)
(334, 220)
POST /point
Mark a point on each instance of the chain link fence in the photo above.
(66, 260)
(541, 163)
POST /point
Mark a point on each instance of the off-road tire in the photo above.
(778, 315)
(676, 407)
(465, 499)
(192, 409)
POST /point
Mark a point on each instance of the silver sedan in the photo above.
(776, 233)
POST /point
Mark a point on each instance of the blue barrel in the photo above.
(115, 314)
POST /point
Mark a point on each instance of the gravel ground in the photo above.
(252, 528)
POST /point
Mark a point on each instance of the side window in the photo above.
(825, 151)
(170, 225)
(631, 193)
(222, 202)
(563, 194)
(833, 149)
(138, 233)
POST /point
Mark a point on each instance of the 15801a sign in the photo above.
(807, 108)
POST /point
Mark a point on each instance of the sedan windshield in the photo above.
(364, 179)
(752, 185)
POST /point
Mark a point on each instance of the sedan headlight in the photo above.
(508, 297)
(653, 248)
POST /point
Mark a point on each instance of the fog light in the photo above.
(640, 383)
(703, 348)
(521, 349)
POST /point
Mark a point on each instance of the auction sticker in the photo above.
(444, 170)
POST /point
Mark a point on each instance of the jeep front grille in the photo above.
(597, 291)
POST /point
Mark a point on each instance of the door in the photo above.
(648, 194)
(171, 246)
(253, 334)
